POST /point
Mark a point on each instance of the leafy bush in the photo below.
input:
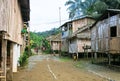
(23, 59)
(47, 51)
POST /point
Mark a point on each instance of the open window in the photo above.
(113, 31)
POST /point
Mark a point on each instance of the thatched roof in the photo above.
(54, 37)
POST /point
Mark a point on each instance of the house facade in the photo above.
(13, 15)
(76, 34)
(105, 34)
(55, 42)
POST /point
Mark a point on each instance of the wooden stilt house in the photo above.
(79, 41)
(13, 14)
(105, 34)
(75, 34)
(55, 42)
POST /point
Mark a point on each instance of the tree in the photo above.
(36, 40)
(92, 8)
(112, 4)
(74, 8)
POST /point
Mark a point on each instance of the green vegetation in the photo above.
(23, 60)
(46, 47)
(45, 34)
(79, 64)
(24, 31)
(65, 59)
(92, 8)
(36, 41)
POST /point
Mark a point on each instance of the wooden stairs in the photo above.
(2, 77)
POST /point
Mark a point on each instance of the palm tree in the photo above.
(74, 8)
(92, 8)
(78, 7)
(113, 4)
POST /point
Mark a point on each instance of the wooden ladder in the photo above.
(2, 77)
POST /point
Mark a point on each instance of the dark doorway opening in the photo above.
(113, 31)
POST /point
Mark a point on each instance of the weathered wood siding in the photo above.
(73, 46)
(11, 20)
(76, 45)
(80, 23)
(4, 14)
(100, 36)
(115, 45)
(81, 43)
(65, 45)
(56, 45)
(93, 39)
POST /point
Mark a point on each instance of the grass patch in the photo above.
(79, 64)
(65, 59)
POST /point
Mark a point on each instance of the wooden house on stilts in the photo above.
(55, 42)
(13, 15)
(105, 35)
(76, 35)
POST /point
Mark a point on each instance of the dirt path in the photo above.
(50, 68)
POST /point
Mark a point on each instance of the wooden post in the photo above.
(95, 55)
(77, 56)
(109, 59)
(92, 56)
(4, 57)
(11, 61)
(77, 49)
(87, 52)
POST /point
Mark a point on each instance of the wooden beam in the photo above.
(109, 59)
(4, 57)
(2, 77)
(11, 62)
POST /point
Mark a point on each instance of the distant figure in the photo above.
(74, 56)
(53, 53)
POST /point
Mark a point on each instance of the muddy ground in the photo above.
(52, 68)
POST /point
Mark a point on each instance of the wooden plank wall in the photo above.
(16, 23)
(56, 45)
(65, 45)
(73, 46)
(81, 43)
(78, 24)
(11, 20)
(100, 36)
(4, 14)
(81, 22)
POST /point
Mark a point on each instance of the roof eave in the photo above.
(25, 9)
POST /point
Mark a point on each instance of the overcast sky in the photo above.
(45, 14)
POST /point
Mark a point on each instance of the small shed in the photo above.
(55, 42)
(105, 33)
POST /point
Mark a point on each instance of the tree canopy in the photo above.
(93, 8)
